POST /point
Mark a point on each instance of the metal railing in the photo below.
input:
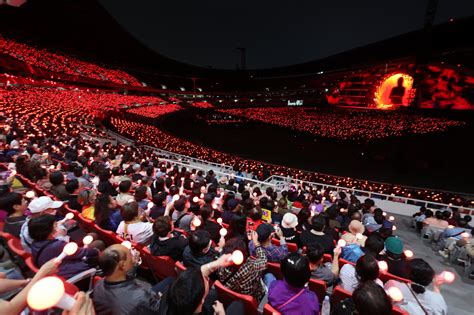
(280, 183)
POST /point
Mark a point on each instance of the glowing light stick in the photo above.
(196, 222)
(465, 235)
(394, 228)
(195, 199)
(68, 250)
(384, 213)
(395, 294)
(127, 244)
(52, 167)
(47, 293)
(447, 276)
(87, 240)
(214, 206)
(150, 205)
(219, 220)
(69, 216)
(223, 232)
(383, 266)
(341, 243)
(30, 194)
(201, 196)
(450, 226)
(391, 218)
(175, 197)
(408, 253)
(237, 257)
(254, 194)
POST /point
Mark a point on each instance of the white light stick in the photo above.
(223, 232)
(254, 194)
(219, 220)
(87, 240)
(214, 206)
(47, 293)
(395, 294)
(195, 199)
(68, 250)
(175, 197)
(201, 196)
(51, 167)
(450, 226)
(447, 276)
(384, 213)
(150, 205)
(69, 216)
(127, 244)
(391, 218)
(408, 253)
(341, 243)
(383, 266)
(465, 235)
(30, 194)
(394, 228)
(196, 222)
(237, 257)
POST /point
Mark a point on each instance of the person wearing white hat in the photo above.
(38, 207)
(288, 227)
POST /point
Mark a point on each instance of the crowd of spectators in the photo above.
(154, 111)
(64, 64)
(351, 125)
(180, 212)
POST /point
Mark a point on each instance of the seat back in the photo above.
(386, 276)
(292, 247)
(319, 287)
(398, 311)
(227, 296)
(160, 266)
(179, 268)
(14, 244)
(275, 269)
(339, 294)
(30, 264)
(269, 310)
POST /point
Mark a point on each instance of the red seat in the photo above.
(386, 276)
(108, 237)
(179, 267)
(339, 294)
(398, 311)
(6, 236)
(15, 245)
(160, 266)
(292, 247)
(319, 287)
(327, 258)
(275, 269)
(269, 310)
(227, 296)
(181, 231)
(342, 262)
(29, 262)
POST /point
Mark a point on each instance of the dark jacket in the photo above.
(125, 297)
(191, 260)
(44, 251)
(172, 247)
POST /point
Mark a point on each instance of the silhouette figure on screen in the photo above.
(397, 93)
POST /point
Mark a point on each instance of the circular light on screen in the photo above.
(394, 90)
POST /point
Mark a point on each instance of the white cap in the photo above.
(289, 221)
(43, 203)
(14, 144)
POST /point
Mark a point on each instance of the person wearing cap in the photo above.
(265, 232)
(288, 228)
(396, 260)
(355, 235)
(38, 207)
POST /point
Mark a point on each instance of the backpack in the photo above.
(351, 252)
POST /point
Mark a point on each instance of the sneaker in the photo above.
(443, 253)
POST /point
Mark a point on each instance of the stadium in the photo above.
(134, 183)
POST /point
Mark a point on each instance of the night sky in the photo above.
(275, 33)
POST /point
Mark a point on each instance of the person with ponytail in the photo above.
(418, 299)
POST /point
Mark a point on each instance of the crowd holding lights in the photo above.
(50, 122)
(154, 111)
(63, 64)
(352, 125)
